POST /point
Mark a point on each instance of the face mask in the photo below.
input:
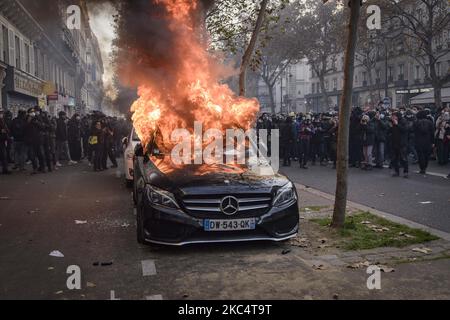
(381, 116)
(32, 114)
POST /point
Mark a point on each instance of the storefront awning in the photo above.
(428, 97)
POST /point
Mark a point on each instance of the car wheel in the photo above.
(139, 226)
(130, 183)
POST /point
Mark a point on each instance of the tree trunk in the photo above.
(435, 81)
(272, 99)
(437, 97)
(324, 93)
(340, 203)
(246, 58)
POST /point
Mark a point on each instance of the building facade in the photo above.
(289, 91)
(386, 68)
(44, 63)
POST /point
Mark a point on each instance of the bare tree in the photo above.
(323, 22)
(284, 47)
(340, 204)
(246, 58)
(235, 27)
(423, 24)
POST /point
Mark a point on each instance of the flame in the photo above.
(192, 90)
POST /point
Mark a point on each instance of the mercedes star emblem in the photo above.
(229, 205)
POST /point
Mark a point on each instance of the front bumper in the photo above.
(175, 227)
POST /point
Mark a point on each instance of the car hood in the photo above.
(212, 179)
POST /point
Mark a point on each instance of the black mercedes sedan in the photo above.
(215, 203)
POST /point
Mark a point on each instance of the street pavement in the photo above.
(424, 199)
(38, 215)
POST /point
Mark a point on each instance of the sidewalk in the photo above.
(407, 274)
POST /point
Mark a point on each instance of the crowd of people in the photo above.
(378, 138)
(36, 138)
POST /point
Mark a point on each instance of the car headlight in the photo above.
(285, 195)
(161, 197)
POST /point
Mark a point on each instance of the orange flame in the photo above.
(195, 94)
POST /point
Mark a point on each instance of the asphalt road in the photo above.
(38, 215)
(424, 199)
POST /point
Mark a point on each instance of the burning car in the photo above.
(210, 203)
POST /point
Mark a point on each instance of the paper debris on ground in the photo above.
(422, 250)
(358, 265)
(403, 234)
(5, 198)
(56, 254)
(90, 285)
(426, 202)
(80, 221)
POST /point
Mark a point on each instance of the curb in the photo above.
(393, 218)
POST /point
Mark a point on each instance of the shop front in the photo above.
(58, 103)
(21, 91)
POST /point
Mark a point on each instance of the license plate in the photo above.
(229, 225)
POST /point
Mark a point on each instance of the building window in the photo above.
(36, 63)
(417, 76)
(438, 69)
(364, 74)
(335, 84)
(18, 65)
(27, 58)
(390, 72)
(313, 87)
(401, 68)
(5, 49)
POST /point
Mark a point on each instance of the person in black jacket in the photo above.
(62, 144)
(18, 134)
(355, 142)
(399, 144)
(4, 137)
(96, 141)
(46, 140)
(381, 128)
(34, 140)
(286, 140)
(424, 139)
(368, 140)
(74, 137)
